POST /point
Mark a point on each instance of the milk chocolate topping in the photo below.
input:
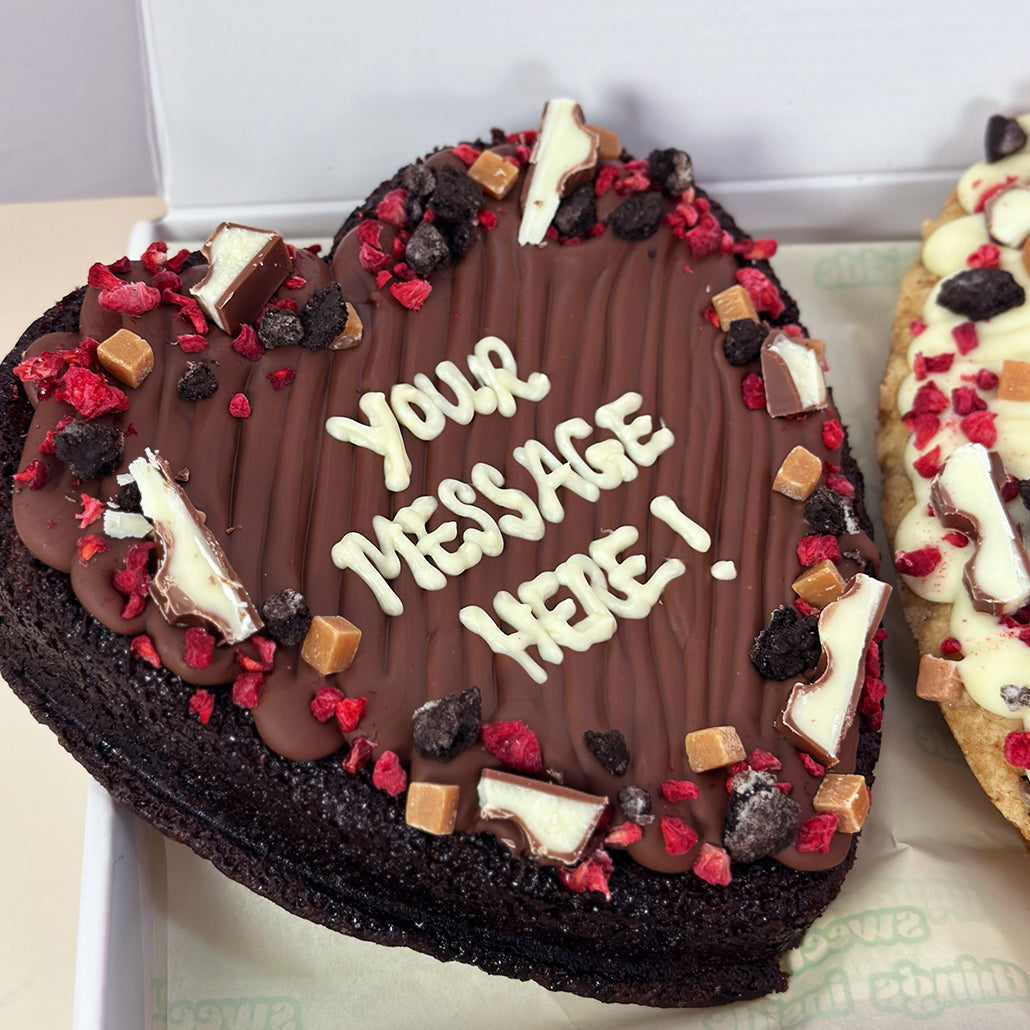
(598, 317)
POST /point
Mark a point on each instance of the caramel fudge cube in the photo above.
(733, 304)
(1014, 381)
(713, 748)
(331, 644)
(494, 174)
(432, 807)
(126, 356)
(820, 584)
(938, 680)
(846, 797)
(798, 475)
(608, 146)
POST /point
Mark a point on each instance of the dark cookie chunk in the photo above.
(427, 250)
(743, 341)
(787, 646)
(1024, 492)
(418, 179)
(90, 449)
(444, 728)
(609, 749)
(826, 512)
(413, 210)
(323, 317)
(128, 498)
(1015, 697)
(280, 328)
(197, 383)
(671, 169)
(637, 217)
(760, 819)
(577, 213)
(286, 617)
(635, 802)
(1004, 136)
(456, 197)
(460, 238)
(980, 293)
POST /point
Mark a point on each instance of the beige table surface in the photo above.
(46, 251)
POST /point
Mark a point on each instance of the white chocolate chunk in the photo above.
(964, 495)
(818, 714)
(724, 570)
(194, 579)
(126, 525)
(557, 821)
(1008, 216)
(564, 146)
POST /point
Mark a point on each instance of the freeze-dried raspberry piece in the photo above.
(870, 701)
(266, 654)
(965, 337)
(372, 259)
(1017, 749)
(812, 767)
(487, 219)
(606, 178)
(101, 277)
(89, 545)
(951, 646)
(832, 433)
(981, 293)
(705, 237)
(679, 790)
(610, 749)
(763, 761)
(247, 343)
(763, 292)
(979, 428)
(986, 379)
(787, 646)
(323, 704)
(678, 836)
(928, 464)
(965, 400)
(987, 255)
(752, 389)
(923, 427)
(713, 865)
(817, 833)
(917, 327)
(391, 209)
(918, 563)
(514, 743)
(133, 582)
(281, 378)
(130, 298)
(814, 549)
(89, 393)
(623, 835)
(956, 539)
(200, 648)
(43, 368)
(466, 154)
(939, 362)
(840, 484)
(369, 231)
(388, 775)
(358, 756)
(142, 647)
(411, 294)
(154, 256)
(590, 875)
(246, 689)
(239, 406)
(349, 712)
(202, 704)
(35, 475)
(930, 399)
(191, 343)
(294, 282)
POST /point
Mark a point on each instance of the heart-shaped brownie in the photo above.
(454, 589)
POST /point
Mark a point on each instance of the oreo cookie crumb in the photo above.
(610, 749)
(825, 512)
(418, 179)
(980, 293)
(128, 498)
(197, 382)
(280, 328)
(456, 197)
(637, 217)
(427, 250)
(460, 238)
(1004, 136)
(286, 617)
(760, 819)
(323, 317)
(743, 341)
(90, 449)
(413, 209)
(787, 646)
(1015, 697)
(1024, 492)
(635, 803)
(577, 213)
(444, 728)
(671, 169)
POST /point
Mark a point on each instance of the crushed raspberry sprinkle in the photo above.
(590, 875)
(979, 428)
(833, 433)
(1017, 749)
(466, 154)
(202, 704)
(142, 647)
(986, 379)
(923, 427)
(200, 648)
(678, 836)
(294, 282)
(411, 294)
(514, 743)
(985, 256)
(929, 399)
(368, 233)
(247, 343)
(88, 546)
(133, 581)
(155, 256)
(388, 775)
(373, 260)
(265, 648)
(816, 833)
(358, 756)
(349, 711)
(323, 704)
(89, 393)
(246, 689)
(623, 835)
(487, 219)
(752, 389)
(679, 790)
(950, 646)
(763, 761)
(763, 292)
(918, 563)
(281, 378)
(605, 180)
(928, 464)
(35, 475)
(812, 767)
(239, 406)
(713, 865)
(191, 343)
(817, 548)
(939, 362)
(391, 209)
(130, 298)
(917, 327)
(956, 539)
(965, 337)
